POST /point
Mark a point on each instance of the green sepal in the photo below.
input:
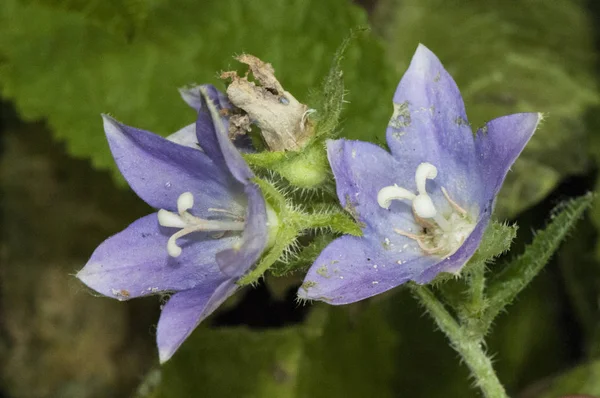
(292, 222)
(466, 295)
(329, 101)
(584, 379)
(520, 272)
(308, 169)
(496, 240)
(265, 160)
(305, 257)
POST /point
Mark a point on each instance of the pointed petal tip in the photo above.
(424, 58)
(112, 128)
(165, 354)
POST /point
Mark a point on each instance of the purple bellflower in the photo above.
(210, 228)
(424, 207)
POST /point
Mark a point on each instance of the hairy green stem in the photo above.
(470, 349)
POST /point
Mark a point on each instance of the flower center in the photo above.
(189, 223)
(441, 235)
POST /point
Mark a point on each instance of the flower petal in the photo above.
(186, 137)
(235, 262)
(352, 269)
(193, 97)
(361, 170)
(185, 310)
(135, 261)
(214, 139)
(498, 145)
(159, 170)
(429, 124)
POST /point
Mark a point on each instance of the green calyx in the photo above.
(288, 221)
(308, 169)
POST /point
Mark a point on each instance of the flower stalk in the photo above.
(470, 349)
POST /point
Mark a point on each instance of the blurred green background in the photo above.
(63, 62)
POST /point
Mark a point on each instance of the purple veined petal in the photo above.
(429, 124)
(159, 171)
(185, 310)
(186, 137)
(498, 145)
(214, 139)
(454, 263)
(352, 269)
(361, 170)
(235, 262)
(135, 261)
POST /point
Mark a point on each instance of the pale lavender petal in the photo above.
(429, 124)
(185, 310)
(206, 131)
(186, 137)
(159, 170)
(498, 145)
(236, 261)
(352, 269)
(135, 261)
(214, 139)
(193, 97)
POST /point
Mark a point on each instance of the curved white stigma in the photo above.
(393, 192)
(422, 204)
(189, 223)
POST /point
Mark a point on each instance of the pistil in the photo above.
(440, 235)
(189, 223)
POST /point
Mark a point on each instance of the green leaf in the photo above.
(334, 355)
(520, 62)
(68, 61)
(584, 379)
(580, 272)
(234, 363)
(519, 272)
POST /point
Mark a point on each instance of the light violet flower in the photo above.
(211, 226)
(424, 207)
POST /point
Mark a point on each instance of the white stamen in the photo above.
(168, 219)
(439, 234)
(189, 223)
(393, 192)
(185, 202)
(424, 172)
